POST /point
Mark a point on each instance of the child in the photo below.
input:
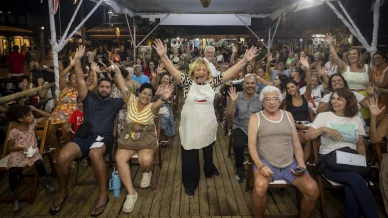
(22, 137)
(76, 118)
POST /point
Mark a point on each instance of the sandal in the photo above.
(53, 212)
(102, 206)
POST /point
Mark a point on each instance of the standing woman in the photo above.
(357, 75)
(297, 105)
(198, 126)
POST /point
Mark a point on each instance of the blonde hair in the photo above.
(360, 61)
(198, 63)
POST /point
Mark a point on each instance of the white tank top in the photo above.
(356, 80)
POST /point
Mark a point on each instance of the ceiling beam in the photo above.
(297, 6)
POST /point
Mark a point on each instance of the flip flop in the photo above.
(102, 206)
(53, 212)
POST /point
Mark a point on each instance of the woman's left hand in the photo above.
(169, 88)
(250, 54)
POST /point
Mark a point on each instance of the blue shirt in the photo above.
(141, 79)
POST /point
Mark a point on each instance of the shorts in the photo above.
(85, 144)
(281, 174)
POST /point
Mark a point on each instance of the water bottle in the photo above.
(115, 183)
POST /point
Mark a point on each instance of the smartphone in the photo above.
(299, 170)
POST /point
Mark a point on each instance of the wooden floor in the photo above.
(219, 196)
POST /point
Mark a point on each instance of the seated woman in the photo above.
(140, 111)
(297, 105)
(338, 128)
(276, 152)
(168, 122)
(67, 104)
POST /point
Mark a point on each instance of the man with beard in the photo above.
(99, 111)
(241, 107)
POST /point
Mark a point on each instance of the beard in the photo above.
(103, 97)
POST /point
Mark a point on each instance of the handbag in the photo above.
(138, 136)
(84, 130)
(330, 161)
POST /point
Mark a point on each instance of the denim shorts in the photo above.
(281, 174)
(85, 144)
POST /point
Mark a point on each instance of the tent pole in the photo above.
(152, 30)
(72, 19)
(55, 49)
(64, 42)
(258, 38)
(276, 28)
(134, 41)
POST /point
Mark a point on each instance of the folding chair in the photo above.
(41, 130)
(157, 165)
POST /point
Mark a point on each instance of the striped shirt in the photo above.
(144, 116)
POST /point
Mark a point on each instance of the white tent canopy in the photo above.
(220, 12)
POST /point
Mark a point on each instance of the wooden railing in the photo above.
(25, 93)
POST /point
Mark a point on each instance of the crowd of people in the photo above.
(278, 101)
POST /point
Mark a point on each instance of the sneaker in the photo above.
(129, 203)
(240, 177)
(146, 180)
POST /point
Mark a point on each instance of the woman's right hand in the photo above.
(333, 133)
(374, 107)
(160, 48)
(329, 39)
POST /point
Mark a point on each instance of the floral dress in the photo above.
(25, 140)
(67, 104)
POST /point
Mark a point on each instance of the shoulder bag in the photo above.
(330, 161)
(138, 136)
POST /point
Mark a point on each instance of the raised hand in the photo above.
(168, 90)
(160, 48)
(321, 71)
(250, 54)
(329, 39)
(232, 94)
(160, 68)
(374, 107)
(79, 53)
(370, 89)
(116, 68)
(234, 49)
(153, 73)
(95, 67)
(72, 61)
(269, 57)
(160, 89)
(305, 64)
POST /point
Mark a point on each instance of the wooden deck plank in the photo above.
(202, 193)
(220, 189)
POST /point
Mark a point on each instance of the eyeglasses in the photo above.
(73, 78)
(271, 99)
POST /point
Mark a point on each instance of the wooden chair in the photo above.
(324, 182)
(41, 131)
(110, 161)
(157, 165)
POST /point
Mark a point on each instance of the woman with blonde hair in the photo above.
(352, 69)
(198, 126)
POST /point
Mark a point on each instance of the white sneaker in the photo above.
(146, 180)
(129, 203)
